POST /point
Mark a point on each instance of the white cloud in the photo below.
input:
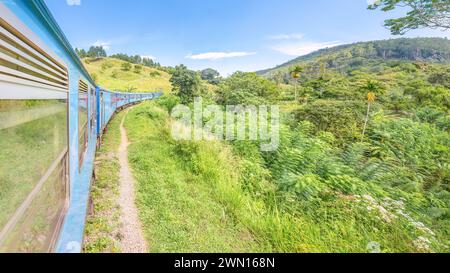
(302, 48)
(105, 45)
(219, 55)
(293, 36)
(73, 2)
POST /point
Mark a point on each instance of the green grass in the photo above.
(180, 209)
(108, 74)
(102, 229)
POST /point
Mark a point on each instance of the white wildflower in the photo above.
(386, 215)
(422, 244)
(374, 247)
(369, 198)
(421, 226)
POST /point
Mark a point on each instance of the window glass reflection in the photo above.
(33, 134)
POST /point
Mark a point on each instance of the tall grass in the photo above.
(201, 196)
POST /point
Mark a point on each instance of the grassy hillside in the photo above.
(108, 73)
(345, 58)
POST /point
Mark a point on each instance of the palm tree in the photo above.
(295, 73)
(372, 87)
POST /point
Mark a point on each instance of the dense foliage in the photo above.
(388, 186)
(420, 13)
(93, 52)
(100, 52)
(137, 59)
(210, 75)
(246, 88)
(186, 83)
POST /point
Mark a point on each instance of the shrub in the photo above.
(155, 74)
(168, 102)
(138, 69)
(94, 77)
(126, 66)
(115, 74)
(342, 118)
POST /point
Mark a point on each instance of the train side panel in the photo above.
(36, 29)
(49, 126)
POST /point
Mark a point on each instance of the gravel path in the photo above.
(133, 239)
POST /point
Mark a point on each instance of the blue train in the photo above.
(52, 116)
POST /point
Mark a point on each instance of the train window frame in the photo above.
(83, 132)
(93, 107)
(100, 110)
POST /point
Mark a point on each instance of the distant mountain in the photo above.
(351, 56)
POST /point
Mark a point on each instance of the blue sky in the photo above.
(226, 35)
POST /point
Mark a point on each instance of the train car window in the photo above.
(93, 107)
(101, 110)
(33, 139)
(83, 118)
(113, 100)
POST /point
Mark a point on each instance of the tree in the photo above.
(186, 83)
(341, 118)
(136, 59)
(372, 87)
(210, 75)
(295, 73)
(149, 62)
(138, 69)
(319, 85)
(243, 88)
(126, 66)
(433, 14)
(96, 52)
(81, 53)
(278, 77)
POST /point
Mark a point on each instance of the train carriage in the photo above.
(52, 115)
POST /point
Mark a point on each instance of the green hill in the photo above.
(109, 73)
(349, 57)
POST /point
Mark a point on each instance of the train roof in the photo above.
(48, 18)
